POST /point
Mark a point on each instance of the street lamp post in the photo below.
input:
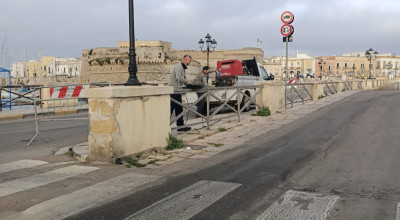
(132, 68)
(370, 54)
(210, 44)
(321, 64)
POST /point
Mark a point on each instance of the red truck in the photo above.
(233, 73)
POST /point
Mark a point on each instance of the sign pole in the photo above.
(287, 18)
(287, 70)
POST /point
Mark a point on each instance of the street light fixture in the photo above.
(321, 64)
(370, 54)
(389, 69)
(210, 46)
(132, 68)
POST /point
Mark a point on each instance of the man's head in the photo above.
(186, 59)
(206, 69)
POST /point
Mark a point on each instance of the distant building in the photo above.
(64, 67)
(300, 66)
(48, 66)
(18, 69)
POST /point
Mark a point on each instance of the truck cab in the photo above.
(240, 73)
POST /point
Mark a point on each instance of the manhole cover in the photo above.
(195, 147)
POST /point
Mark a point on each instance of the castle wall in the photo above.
(155, 60)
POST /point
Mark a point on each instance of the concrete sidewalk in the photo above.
(203, 143)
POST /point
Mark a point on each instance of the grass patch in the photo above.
(70, 152)
(321, 96)
(174, 143)
(222, 129)
(133, 162)
(153, 161)
(216, 145)
(265, 112)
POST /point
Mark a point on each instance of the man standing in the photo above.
(178, 80)
(202, 78)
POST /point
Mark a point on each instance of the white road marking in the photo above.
(299, 206)
(398, 212)
(77, 201)
(187, 202)
(18, 185)
(20, 164)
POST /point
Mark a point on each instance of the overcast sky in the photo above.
(63, 28)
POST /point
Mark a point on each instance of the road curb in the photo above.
(11, 117)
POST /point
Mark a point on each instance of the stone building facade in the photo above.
(155, 60)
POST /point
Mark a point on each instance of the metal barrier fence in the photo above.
(299, 92)
(237, 99)
(64, 102)
(17, 95)
(303, 92)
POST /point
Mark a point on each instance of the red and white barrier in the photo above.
(68, 92)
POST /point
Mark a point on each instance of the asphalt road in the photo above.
(347, 152)
(14, 136)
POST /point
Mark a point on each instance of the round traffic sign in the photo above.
(287, 17)
(286, 30)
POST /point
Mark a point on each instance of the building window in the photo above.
(337, 66)
(362, 66)
(345, 65)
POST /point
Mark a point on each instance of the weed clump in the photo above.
(265, 112)
(174, 143)
(222, 129)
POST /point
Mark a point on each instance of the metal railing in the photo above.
(299, 92)
(236, 99)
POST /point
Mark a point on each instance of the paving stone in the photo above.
(175, 159)
(166, 162)
(152, 166)
(182, 155)
(216, 149)
(211, 153)
(200, 156)
(158, 157)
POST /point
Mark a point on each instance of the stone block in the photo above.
(127, 120)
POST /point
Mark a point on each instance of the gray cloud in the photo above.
(65, 28)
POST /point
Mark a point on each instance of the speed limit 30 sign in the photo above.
(286, 30)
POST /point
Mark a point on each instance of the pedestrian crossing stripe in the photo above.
(77, 201)
(187, 202)
(20, 164)
(300, 206)
(11, 187)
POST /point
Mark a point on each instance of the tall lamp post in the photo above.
(132, 68)
(210, 46)
(321, 64)
(370, 54)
